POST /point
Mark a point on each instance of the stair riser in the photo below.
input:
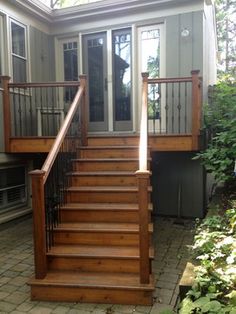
(106, 166)
(96, 238)
(102, 197)
(91, 295)
(110, 265)
(104, 180)
(113, 141)
(109, 153)
(99, 216)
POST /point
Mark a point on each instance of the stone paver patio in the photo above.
(16, 267)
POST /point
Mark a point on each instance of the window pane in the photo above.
(122, 73)
(150, 58)
(15, 176)
(151, 52)
(70, 68)
(18, 39)
(19, 69)
(96, 74)
(70, 62)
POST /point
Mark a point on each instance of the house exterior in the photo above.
(53, 45)
(111, 42)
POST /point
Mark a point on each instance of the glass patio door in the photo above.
(95, 66)
(121, 57)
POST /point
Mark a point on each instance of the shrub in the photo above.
(220, 121)
(214, 289)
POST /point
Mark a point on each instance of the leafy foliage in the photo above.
(226, 32)
(220, 121)
(214, 289)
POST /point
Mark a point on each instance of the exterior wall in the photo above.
(39, 44)
(181, 54)
(40, 51)
(184, 54)
(210, 49)
(178, 185)
(42, 56)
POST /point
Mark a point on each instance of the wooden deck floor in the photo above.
(157, 142)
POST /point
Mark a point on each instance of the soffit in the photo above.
(95, 9)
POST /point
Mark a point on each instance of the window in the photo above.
(122, 73)
(151, 60)
(18, 51)
(12, 187)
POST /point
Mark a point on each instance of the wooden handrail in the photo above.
(169, 80)
(39, 178)
(63, 130)
(143, 182)
(44, 84)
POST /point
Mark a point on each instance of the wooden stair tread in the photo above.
(109, 147)
(101, 227)
(121, 252)
(103, 206)
(93, 280)
(103, 173)
(106, 159)
(106, 188)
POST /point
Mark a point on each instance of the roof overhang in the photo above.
(94, 9)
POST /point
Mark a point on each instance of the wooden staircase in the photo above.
(95, 256)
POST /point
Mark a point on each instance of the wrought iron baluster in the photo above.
(47, 110)
(41, 106)
(172, 107)
(31, 111)
(20, 112)
(159, 107)
(15, 113)
(185, 107)
(167, 108)
(179, 108)
(25, 113)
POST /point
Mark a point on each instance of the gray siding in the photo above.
(178, 185)
(184, 54)
(42, 56)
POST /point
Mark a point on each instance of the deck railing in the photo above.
(35, 109)
(170, 106)
(174, 105)
(50, 182)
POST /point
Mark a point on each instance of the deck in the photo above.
(157, 142)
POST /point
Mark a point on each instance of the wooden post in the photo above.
(144, 125)
(196, 108)
(6, 112)
(144, 264)
(84, 110)
(39, 225)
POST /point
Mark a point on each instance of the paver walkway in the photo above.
(16, 266)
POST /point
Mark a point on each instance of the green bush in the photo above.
(214, 289)
(220, 121)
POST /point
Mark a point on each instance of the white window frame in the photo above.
(25, 58)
